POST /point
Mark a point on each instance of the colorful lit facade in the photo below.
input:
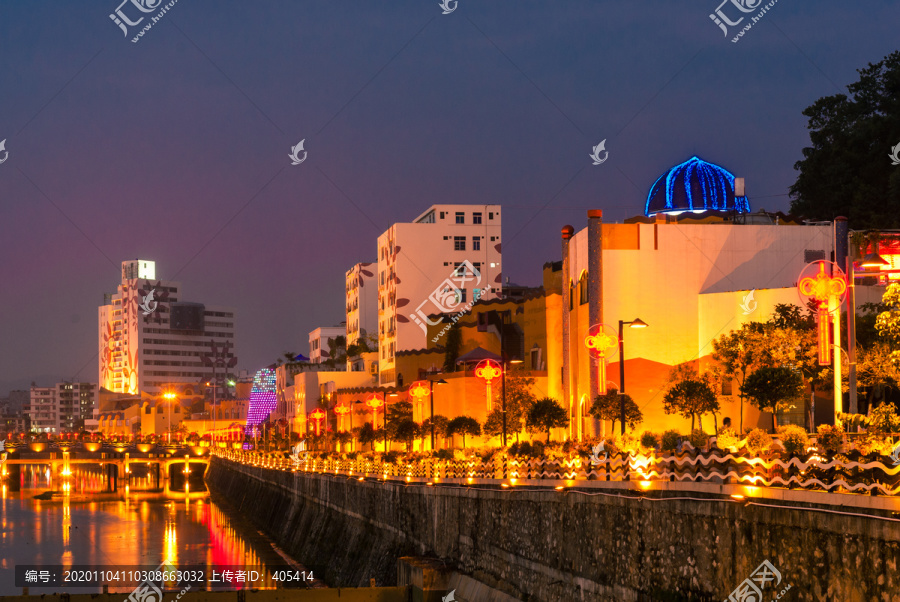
(263, 398)
(161, 349)
(361, 294)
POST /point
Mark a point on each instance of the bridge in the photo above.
(116, 460)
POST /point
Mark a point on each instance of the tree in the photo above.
(888, 321)
(876, 372)
(545, 414)
(368, 434)
(452, 347)
(440, 427)
(771, 388)
(609, 407)
(847, 171)
(406, 430)
(738, 352)
(397, 413)
(342, 438)
(691, 398)
(463, 425)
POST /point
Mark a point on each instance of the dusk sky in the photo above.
(175, 148)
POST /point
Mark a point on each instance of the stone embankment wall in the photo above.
(565, 546)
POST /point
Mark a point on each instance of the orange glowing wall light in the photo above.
(488, 370)
(318, 416)
(418, 392)
(600, 340)
(827, 291)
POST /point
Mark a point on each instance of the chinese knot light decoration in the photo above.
(341, 411)
(488, 370)
(600, 339)
(318, 416)
(827, 291)
(374, 401)
(419, 391)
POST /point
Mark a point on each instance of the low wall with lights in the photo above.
(613, 541)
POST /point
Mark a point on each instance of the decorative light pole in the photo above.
(431, 393)
(341, 411)
(599, 340)
(418, 391)
(488, 370)
(824, 283)
(375, 401)
(318, 415)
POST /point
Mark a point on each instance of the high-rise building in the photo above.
(152, 341)
(323, 342)
(43, 409)
(446, 258)
(75, 403)
(362, 302)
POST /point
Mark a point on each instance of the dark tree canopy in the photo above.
(609, 407)
(847, 170)
(771, 388)
(545, 414)
(463, 425)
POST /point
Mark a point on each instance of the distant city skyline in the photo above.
(178, 149)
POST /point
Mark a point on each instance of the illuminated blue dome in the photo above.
(695, 185)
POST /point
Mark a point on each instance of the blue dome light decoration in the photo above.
(696, 186)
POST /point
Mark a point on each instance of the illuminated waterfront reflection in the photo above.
(84, 523)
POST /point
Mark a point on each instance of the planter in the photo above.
(92, 446)
(198, 450)
(37, 446)
(145, 447)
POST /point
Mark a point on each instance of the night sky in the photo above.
(175, 148)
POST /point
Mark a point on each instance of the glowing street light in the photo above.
(418, 391)
(636, 323)
(488, 370)
(317, 416)
(600, 339)
(341, 411)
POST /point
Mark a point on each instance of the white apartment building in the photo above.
(421, 274)
(151, 341)
(362, 301)
(319, 347)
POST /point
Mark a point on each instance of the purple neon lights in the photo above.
(262, 398)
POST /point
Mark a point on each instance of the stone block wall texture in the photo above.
(546, 545)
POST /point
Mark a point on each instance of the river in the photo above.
(136, 527)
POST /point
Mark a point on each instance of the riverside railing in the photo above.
(848, 472)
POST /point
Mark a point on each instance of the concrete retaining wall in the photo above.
(553, 545)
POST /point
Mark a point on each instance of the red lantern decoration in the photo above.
(318, 416)
(600, 340)
(374, 401)
(488, 370)
(419, 392)
(827, 292)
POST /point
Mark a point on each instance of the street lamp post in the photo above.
(170, 397)
(636, 323)
(432, 383)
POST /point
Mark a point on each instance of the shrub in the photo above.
(444, 454)
(794, 438)
(758, 440)
(830, 438)
(390, 457)
(727, 438)
(669, 440)
(522, 449)
(537, 449)
(649, 440)
(611, 447)
(884, 420)
(352, 455)
(698, 438)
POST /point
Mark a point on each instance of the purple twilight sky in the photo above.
(175, 148)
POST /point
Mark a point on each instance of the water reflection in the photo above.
(85, 523)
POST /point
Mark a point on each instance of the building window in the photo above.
(462, 295)
(442, 215)
(477, 266)
(583, 289)
(460, 217)
(459, 243)
(476, 218)
(476, 243)
(490, 215)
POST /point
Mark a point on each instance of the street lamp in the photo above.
(431, 387)
(636, 323)
(506, 364)
(214, 385)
